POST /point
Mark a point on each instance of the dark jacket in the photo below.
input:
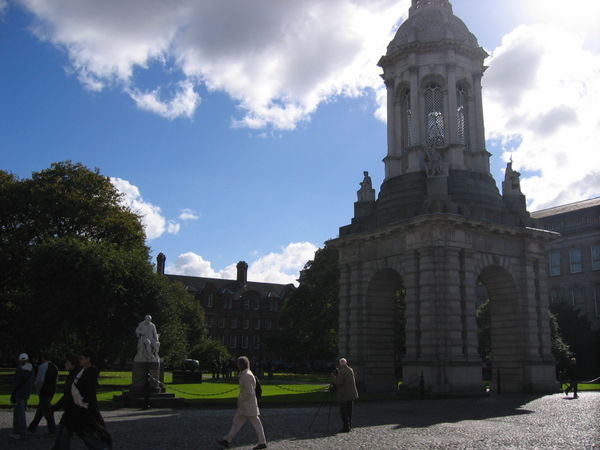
(84, 420)
(66, 399)
(48, 388)
(87, 385)
(24, 381)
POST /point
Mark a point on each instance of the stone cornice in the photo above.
(441, 219)
(447, 44)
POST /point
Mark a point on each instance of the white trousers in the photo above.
(239, 421)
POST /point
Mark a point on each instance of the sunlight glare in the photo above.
(581, 14)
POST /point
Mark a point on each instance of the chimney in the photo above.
(242, 272)
(160, 263)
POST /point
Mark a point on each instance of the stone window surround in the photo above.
(575, 262)
(554, 263)
(595, 256)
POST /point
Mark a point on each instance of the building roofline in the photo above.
(563, 209)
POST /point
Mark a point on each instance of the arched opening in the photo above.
(385, 340)
(434, 115)
(462, 114)
(406, 124)
(498, 320)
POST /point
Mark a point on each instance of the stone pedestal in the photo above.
(362, 209)
(140, 370)
(147, 391)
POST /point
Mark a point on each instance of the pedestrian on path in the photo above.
(45, 385)
(345, 384)
(247, 407)
(23, 386)
(82, 415)
(572, 375)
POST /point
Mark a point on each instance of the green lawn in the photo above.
(283, 388)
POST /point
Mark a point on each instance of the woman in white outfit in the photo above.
(247, 407)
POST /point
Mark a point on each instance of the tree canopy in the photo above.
(76, 271)
(310, 316)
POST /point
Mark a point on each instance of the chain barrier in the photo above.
(194, 394)
(321, 389)
(595, 380)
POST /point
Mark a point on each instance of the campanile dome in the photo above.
(431, 21)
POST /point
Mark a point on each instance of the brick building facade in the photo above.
(241, 314)
(574, 259)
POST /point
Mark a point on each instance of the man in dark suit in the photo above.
(45, 384)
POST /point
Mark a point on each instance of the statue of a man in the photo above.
(148, 343)
(366, 193)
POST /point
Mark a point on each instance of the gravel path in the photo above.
(505, 422)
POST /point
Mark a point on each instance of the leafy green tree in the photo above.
(484, 333)
(577, 333)
(310, 316)
(76, 270)
(210, 351)
(560, 348)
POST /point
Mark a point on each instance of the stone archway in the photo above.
(384, 299)
(505, 335)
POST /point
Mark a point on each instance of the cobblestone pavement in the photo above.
(505, 422)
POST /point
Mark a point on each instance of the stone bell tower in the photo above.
(412, 258)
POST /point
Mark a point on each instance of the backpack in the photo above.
(258, 389)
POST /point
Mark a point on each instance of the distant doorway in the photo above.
(385, 339)
(499, 328)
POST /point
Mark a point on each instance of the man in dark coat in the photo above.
(345, 384)
(82, 415)
(45, 382)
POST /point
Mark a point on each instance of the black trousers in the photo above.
(44, 410)
(346, 413)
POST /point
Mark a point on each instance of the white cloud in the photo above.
(283, 267)
(188, 214)
(277, 59)
(155, 224)
(542, 91)
(192, 264)
(3, 7)
(182, 104)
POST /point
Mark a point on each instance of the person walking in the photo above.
(572, 375)
(24, 379)
(247, 407)
(82, 415)
(71, 366)
(345, 384)
(45, 384)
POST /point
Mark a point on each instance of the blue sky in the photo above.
(240, 130)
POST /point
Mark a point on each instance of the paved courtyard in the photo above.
(506, 422)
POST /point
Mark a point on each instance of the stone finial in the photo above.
(513, 198)
(512, 181)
